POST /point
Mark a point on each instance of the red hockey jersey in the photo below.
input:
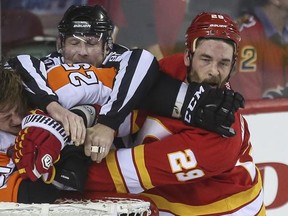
(185, 170)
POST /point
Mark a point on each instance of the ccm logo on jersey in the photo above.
(192, 104)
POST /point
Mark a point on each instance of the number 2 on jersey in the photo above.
(81, 73)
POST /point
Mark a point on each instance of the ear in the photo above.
(187, 58)
(58, 45)
(106, 50)
(233, 70)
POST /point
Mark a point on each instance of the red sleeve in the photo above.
(189, 155)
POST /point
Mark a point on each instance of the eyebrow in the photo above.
(79, 38)
(208, 56)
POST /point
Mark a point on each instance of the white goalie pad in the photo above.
(108, 207)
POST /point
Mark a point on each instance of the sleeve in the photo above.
(186, 157)
(166, 97)
(34, 76)
(138, 72)
(9, 180)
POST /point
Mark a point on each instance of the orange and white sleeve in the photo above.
(9, 179)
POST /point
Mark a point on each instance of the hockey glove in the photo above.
(37, 146)
(72, 168)
(211, 109)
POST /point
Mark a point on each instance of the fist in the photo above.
(35, 152)
(38, 145)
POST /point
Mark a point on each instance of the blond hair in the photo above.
(11, 91)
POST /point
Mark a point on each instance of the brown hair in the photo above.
(11, 91)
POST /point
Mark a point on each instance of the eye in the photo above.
(225, 63)
(74, 42)
(93, 41)
(205, 59)
(4, 118)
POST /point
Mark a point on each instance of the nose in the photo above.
(83, 49)
(214, 69)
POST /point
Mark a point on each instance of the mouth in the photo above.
(213, 85)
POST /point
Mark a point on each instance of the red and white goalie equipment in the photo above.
(102, 205)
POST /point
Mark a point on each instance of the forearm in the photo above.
(166, 97)
(138, 73)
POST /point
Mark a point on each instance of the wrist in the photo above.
(54, 105)
(109, 121)
(47, 123)
(45, 102)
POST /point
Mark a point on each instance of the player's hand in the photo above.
(211, 109)
(72, 123)
(35, 152)
(37, 147)
(98, 142)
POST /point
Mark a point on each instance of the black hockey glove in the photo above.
(211, 109)
(72, 169)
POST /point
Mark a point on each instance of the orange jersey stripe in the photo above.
(9, 188)
(62, 75)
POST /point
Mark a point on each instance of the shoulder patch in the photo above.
(245, 21)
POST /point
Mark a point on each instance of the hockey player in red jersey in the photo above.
(190, 171)
(263, 55)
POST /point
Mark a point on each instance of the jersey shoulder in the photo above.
(249, 23)
(174, 66)
(52, 59)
